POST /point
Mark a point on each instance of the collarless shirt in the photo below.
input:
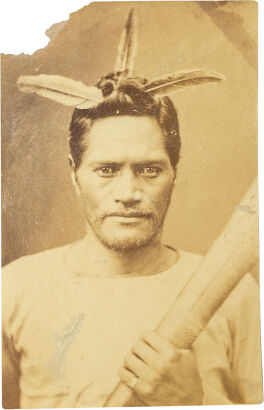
(72, 331)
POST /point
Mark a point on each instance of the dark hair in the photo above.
(125, 97)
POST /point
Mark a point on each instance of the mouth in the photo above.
(134, 214)
(128, 217)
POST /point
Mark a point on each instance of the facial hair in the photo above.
(133, 243)
(151, 233)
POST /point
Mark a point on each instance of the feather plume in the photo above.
(61, 89)
(126, 51)
(177, 81)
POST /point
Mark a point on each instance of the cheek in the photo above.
(90, 184)
(159, 196)
(90, 195)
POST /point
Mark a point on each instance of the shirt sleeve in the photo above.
(10, 375)
(11, 291)
(228, 350)
(243, 314)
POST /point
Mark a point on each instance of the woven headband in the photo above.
(76, 94)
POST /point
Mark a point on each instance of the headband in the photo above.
(76, 94)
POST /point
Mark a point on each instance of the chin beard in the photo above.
(129, 244)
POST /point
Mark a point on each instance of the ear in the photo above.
(73, 174)
(174, 178)
(71, 161)
(75, 182)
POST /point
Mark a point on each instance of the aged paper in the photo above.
(129, 157)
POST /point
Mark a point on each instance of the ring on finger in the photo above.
(134, 381)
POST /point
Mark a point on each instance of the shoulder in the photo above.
(48, 256)
(24, 278)
(33, 267)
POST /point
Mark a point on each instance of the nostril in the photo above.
(129, 197)
(129, 203)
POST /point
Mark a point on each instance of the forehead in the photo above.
(125, 138)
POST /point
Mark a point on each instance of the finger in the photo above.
(144, 391)
(146, 353)
(188, 359)
(128, 378)
(140, 387)
(160, 344)
(139, 368)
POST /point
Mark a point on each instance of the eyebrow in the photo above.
(150, 162)
(120, 163)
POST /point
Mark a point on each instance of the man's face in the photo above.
(125, 181)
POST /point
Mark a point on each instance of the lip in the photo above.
(127, 218)
(128, 214)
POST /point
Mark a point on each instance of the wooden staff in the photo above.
(232, 255)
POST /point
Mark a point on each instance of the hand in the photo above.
(160, 374)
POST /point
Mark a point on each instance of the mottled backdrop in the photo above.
(218, 122)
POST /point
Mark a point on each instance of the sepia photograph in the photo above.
(130, 224)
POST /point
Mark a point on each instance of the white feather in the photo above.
(61, 89)
(174, 82)
(127, 47)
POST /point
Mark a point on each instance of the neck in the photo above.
(90, 257)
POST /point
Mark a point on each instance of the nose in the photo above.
(128, 190)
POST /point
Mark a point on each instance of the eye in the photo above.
(107, 171)
(149, 171)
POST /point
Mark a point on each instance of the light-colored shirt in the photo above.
(69, 332)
